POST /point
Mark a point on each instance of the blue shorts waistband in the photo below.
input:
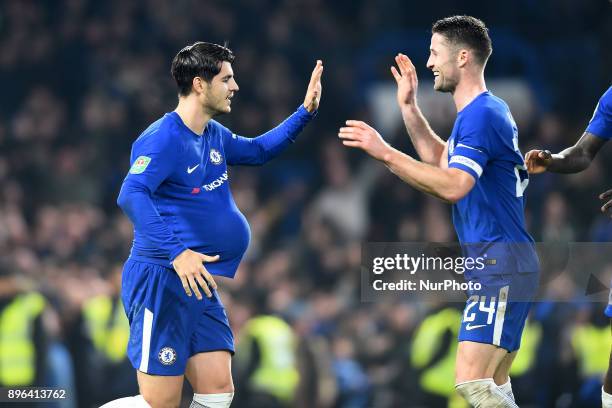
(157, 261)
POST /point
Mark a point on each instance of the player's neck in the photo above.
(467, 90)
(192, 115)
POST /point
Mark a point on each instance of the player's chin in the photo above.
(442, 87)
(224, 109)
(438, 84)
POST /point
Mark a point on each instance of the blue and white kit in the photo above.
(177, 195)
(490, 222)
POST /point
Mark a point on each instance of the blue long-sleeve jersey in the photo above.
(484, 143)
(601, 122)
(177, 191)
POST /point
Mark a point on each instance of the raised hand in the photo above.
(190, 269)
(537, 161)
(407, 81)
(313, 93)
(361, 135)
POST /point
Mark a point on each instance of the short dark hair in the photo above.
(467, 31)
(200, 59)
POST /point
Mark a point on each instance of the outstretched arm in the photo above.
(258, 150)
(428, 145)
(448, 184)
(571, 160)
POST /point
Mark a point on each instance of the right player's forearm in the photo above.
(578, 157)
(428, 145)
(570, 160)
(136, 203)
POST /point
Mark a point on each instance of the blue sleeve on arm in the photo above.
(260, 149)
(135, 201)
(601, 122)
(153, 160)
(471, 152)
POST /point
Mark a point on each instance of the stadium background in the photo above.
(81, 79)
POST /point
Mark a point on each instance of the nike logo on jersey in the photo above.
(191, 169)
(476, 326)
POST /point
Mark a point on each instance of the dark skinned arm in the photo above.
(574, 159)
(571, 160)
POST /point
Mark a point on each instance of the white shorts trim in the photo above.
(500, 315)
(147, 325)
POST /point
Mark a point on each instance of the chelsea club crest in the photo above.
(167, 356)
(215, 156)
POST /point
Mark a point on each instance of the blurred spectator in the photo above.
(24, 332)
(556, 227)
(353, 383)
(267, 363)
(590, 339)
(99, 342)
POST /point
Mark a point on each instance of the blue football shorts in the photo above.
(496, 313)
(167, 326)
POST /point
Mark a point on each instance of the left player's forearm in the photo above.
(274, 141)
(258, 150)
(422, 176)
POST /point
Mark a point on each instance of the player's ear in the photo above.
(462, 57)
(198, 84)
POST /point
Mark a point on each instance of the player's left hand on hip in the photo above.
(313, 93)
(606, 196)
(361, 135)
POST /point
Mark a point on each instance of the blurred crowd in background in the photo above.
(81, 79)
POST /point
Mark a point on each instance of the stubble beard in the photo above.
(445, 85)
(220, 108)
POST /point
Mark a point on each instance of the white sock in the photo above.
(606, 399)
(484, 393)
(128, 402)
(507, 389)
(223, 400)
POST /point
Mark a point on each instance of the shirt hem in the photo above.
(166, 263)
